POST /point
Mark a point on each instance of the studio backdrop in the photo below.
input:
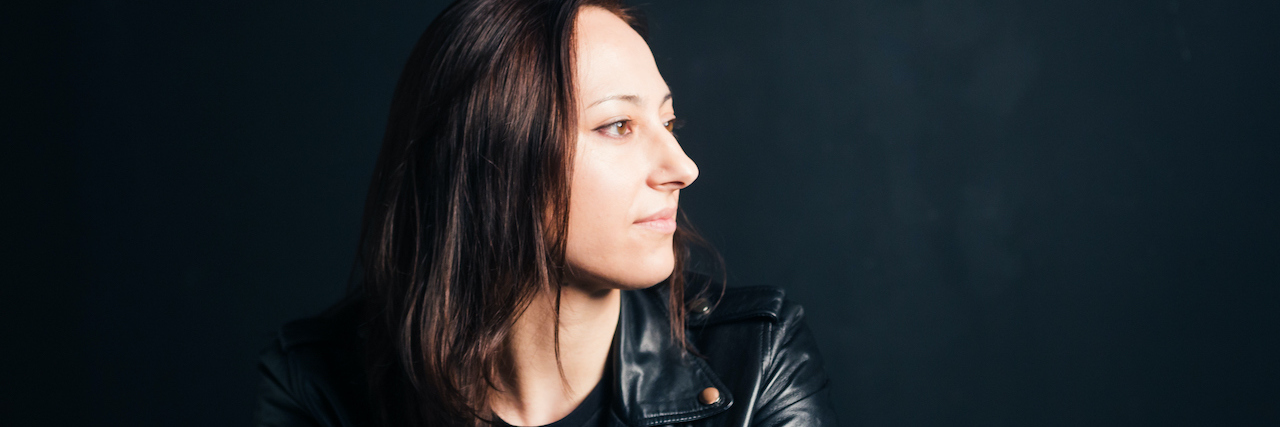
(995, 213)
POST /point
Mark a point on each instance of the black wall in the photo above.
(995, 212)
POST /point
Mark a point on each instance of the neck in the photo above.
(532, 390)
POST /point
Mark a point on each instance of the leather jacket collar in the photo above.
(657, 382)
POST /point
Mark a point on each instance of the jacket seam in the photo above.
(763, 313)
(766, 349)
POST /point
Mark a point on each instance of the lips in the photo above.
(663, 221)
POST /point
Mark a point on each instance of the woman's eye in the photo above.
(616, 129)
(673, 124)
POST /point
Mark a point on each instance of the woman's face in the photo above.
(628, 168)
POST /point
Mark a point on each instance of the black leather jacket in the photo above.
(757, 353)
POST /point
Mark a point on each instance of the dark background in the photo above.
(996, 213)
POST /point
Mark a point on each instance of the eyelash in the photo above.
(671, 126)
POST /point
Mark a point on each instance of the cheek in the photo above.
(599, 204)
(604, 248)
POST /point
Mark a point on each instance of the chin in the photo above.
(640, 273)
(646, 280)
(651, 270)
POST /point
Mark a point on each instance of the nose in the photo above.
(673, 168)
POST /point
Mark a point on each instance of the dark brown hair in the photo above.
(467, 214)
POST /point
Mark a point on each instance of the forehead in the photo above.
(611, 58)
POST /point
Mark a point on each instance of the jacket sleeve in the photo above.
(278, 406)
(795, 387)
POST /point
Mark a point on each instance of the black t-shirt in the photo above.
(592, 412)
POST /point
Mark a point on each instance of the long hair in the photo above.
(467, 214)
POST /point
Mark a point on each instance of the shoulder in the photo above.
(757, 342)
(732, 322)
(312, 368)
(332, 334)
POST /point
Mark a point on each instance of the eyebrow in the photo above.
(634, 99)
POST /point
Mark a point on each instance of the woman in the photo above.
(523, 208)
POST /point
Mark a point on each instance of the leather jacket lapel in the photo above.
(658, 382)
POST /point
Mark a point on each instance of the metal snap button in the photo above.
(700, 306)
(709, 395)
